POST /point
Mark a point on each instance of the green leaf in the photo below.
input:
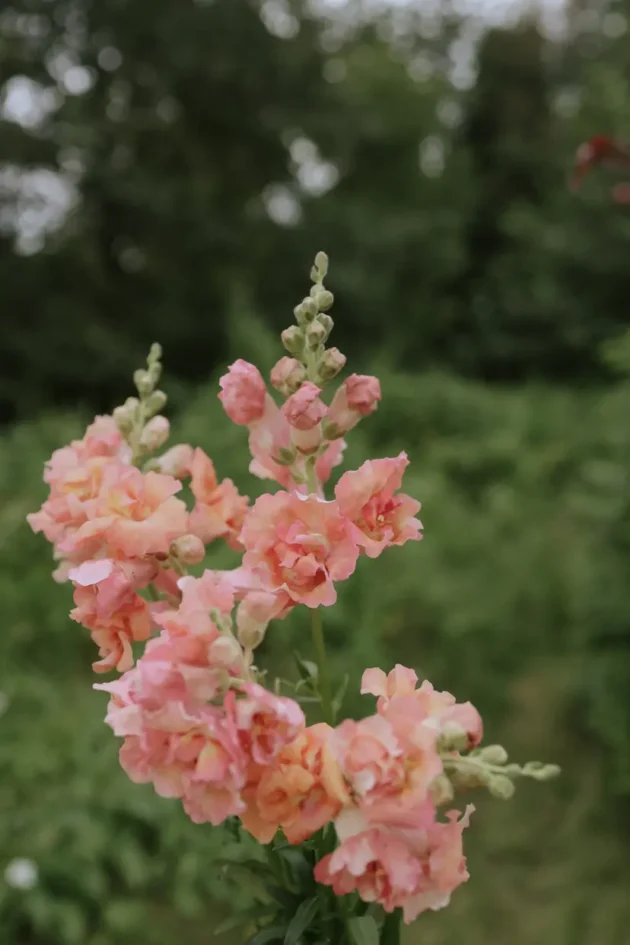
(364, 930)
(340, 695)
(301, 869)
(286, 899)
(301, 920)
(390, 931)
(307, 670)
(271, 933)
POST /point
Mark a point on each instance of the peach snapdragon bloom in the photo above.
(106, 603)
(368, 498)
(219, 509)
(74, 474)
(134, 515)
(440, 707)
(299, 546)
(300, 793)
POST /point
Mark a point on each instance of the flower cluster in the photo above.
(196, 720)
(116, 530)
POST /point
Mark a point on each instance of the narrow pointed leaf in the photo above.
(364, 930)
(301, 921)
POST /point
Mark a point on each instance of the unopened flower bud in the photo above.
(125, 416)
(155, 353)
(293, 340)
(306, 311)
(494, 755)
(316, 334)
(453, 738)
(501, 787)
(304, 409)
(177, 461)
(189, 549)
(155, 434)
(441, 790)
(287, 375)
(332, 362)
(143, 381)
(225, 652)
(321, 264)
(324, 300)
(327, 322)
(253, 616)
(156, 402)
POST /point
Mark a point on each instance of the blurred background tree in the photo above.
(167, 171)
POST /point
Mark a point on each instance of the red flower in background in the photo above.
(605, 151)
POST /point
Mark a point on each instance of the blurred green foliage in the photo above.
(516, 599)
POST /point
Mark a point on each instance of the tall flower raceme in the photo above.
(356, 820)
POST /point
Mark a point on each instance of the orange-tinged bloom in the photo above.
(302, 791)
(219, 509)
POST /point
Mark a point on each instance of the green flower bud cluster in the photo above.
(488, 767)
(306, 340)
(137, 418)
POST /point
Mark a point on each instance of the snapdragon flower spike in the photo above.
(195, 720)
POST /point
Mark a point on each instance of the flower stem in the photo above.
(390, 934)
(322, 664)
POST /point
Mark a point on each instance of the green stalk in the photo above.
(320, 657)
(390, 934)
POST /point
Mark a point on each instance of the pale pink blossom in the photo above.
(400, 682)
(255, 612)
(155, 433)
(440, 851)
(440, 707)
(219, 510)
(304, 409)
(243, 393)
(201, 599)
(330, 458)
(368, 498)
(106, 603)
(415, 867)
(265, 723)
(173, 738)
(176, 461)
(356, 398)
(267, 436)
(376, 865)
(300, 545)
